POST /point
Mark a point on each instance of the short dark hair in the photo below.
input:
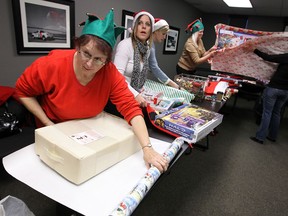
(100, 44)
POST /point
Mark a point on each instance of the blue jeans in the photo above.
(273, 102)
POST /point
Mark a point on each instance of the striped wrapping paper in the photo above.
(168, 92)
(240, 59)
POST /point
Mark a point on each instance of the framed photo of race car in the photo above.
(41, 26)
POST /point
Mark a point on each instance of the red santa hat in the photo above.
(140, 13)
(159, 23)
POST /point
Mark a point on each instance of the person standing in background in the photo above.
(161, 27)
(194, 52)
(275, 96)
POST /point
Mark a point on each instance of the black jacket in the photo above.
(279, 79)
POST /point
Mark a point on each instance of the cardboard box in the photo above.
(81, 149)
(189, 121)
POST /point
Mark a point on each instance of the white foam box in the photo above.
(81, 149)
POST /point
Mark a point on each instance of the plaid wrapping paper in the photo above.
(237, 59)
(168, 92)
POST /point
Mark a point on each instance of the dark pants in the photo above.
(111, 108)
(273, 102)
(180, 70)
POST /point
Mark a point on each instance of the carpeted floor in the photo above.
(234, 177)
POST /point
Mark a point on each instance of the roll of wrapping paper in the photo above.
(132, 200)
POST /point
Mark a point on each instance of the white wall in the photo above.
(177, 13)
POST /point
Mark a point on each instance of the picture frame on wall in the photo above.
(41, 26)
(127, 21)
(171, 41)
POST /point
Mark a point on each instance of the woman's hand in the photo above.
(173, 84)
(150, 156)
(212, 53)
(142, 102)
(48, 123)
(213, 48)
(153, 158)
(34, 107)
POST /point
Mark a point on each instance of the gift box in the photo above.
(189, 121)
(81, 149)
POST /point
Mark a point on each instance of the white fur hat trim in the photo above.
(159, 24)
(144, 13)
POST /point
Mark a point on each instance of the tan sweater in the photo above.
(191, 54)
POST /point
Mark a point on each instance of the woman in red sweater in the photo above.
(74, 84)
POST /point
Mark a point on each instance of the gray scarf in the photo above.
(139, 77)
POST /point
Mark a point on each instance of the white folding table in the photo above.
(98, 196)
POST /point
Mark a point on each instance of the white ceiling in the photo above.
(276, 8)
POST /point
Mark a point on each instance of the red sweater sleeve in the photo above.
(121, 96)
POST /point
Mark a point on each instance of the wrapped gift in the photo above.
(81, 149)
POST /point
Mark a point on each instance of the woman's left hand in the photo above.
(142, 102)
(153, 158)
(173, 84)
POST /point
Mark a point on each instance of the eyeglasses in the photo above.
(95, 61)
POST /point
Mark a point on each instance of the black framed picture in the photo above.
(171, 41)
(41, 26)
(127, 21)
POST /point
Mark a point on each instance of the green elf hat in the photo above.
(105, 29)
(195, 26)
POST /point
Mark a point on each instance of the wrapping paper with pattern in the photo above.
(168, 92)
(235, 54)
(132, 200)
